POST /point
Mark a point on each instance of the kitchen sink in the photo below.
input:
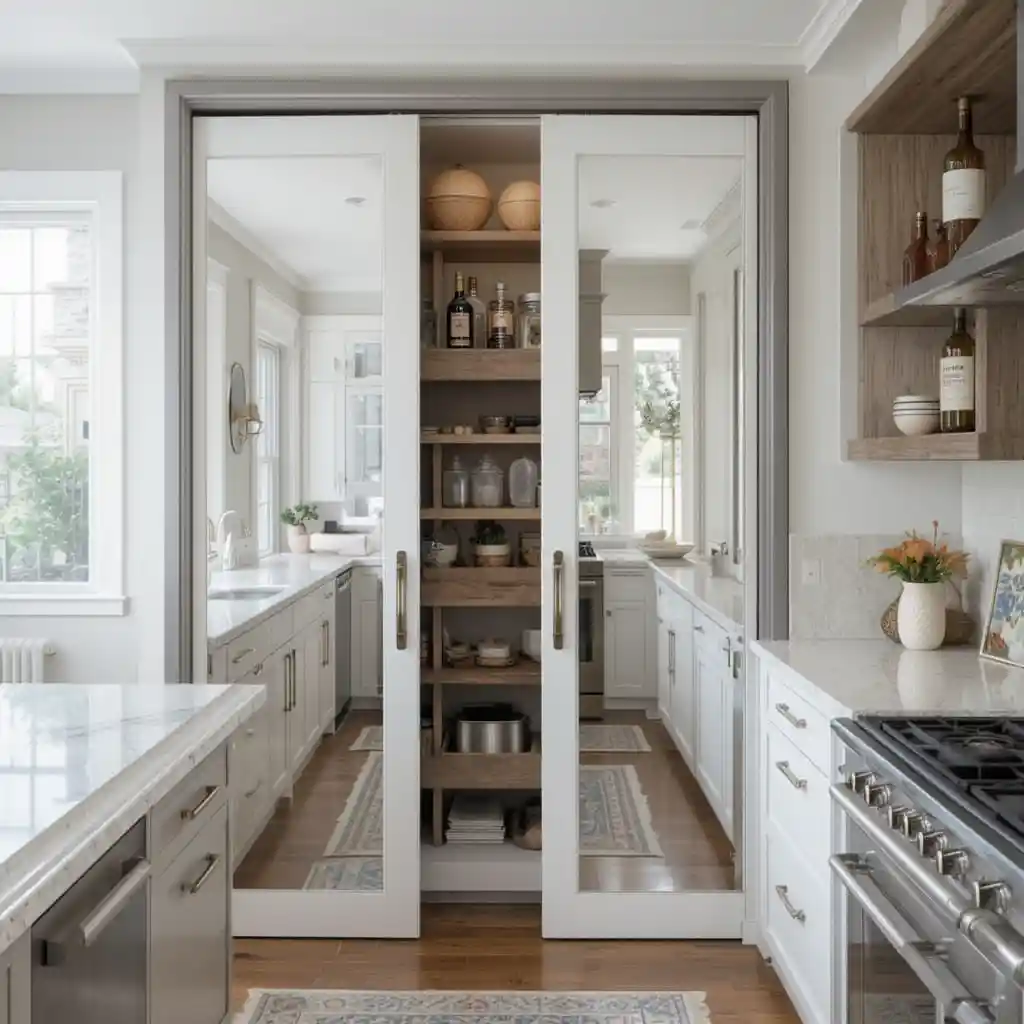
(244, 593)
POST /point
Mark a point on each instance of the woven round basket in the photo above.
(458, 200)
(519, 206)
(959, 626)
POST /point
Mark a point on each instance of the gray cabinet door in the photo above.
(191, 947)
(16, 983)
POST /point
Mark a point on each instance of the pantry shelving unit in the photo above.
(904, 127)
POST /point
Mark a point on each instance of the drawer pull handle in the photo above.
(243, 653)
(794, 780)
(797, 915)
(212, 860)
(797, 723)
(258, 670)
(698, 629)
(191, 815)
(255, 789)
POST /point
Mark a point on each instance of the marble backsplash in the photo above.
(832, 594)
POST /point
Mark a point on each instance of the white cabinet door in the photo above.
(276, 675)
(325, 349)
(325, 439)
(366, 633)
(16, 983)
(625, 649)
(709, 682)
(364, 442)
(664, 677)
(683, 705)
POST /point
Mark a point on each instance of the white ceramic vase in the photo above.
(921, 616)
(298, 540)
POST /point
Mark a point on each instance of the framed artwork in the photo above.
(1003, 639)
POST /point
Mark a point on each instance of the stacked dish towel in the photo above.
(476, 820)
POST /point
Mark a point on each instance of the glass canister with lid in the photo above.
(522, 483)
(528, 321)
(455, 485)
(487, 484)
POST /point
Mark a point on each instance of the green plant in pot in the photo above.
(295, 518)
(490, 545)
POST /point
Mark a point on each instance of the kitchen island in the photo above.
(85, 765)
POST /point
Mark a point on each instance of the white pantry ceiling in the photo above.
(91, 34)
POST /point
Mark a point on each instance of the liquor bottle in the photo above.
(938, 248)
(956, 384)
(963, 183)
(915, 257)
(479, 316)
(459, 318)
(501, 320)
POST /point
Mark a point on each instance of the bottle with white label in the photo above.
(956, 384)
(459, 333)
(963, 183)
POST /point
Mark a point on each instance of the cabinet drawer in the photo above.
(624, 586)
(800, 723)
(798, 800)
(190, 959)
(798, 930)
(252, 647)
(709, 634)
(250, 778)
(189, 806)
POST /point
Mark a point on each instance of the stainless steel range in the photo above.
(933, 876)
(591, 631)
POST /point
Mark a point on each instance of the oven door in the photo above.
(591, 645)
(904, 962)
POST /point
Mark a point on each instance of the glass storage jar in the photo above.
(455, 486)
(487, 484)
(501, 316)
(522, 483)
(528, 321)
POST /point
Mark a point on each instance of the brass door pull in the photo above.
(558, 637)
(401, 633)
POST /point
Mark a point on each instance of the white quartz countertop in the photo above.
(845, 677)
(80, 764)
(296, 574)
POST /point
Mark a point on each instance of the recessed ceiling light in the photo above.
(355, 200)
(602, 204)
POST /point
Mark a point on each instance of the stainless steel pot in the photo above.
(491, 729)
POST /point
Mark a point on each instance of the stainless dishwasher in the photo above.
(89, 948)
(342, 644)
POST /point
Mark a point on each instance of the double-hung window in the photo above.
(268, 460)
(61, 383)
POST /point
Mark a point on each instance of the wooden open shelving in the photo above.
(524, 673)
(887, 312)
(524, 514)
(480, 364)
(459, 587)
(937, 448)
(484, 246)
(481, 771)
(489, 439)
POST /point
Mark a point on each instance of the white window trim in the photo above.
(101, 193)
(271, 419)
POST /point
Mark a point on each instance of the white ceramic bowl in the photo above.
(442, 555)
(916, 424)
(901, 399)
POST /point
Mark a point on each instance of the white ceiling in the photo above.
(296, 210)
(102, 35)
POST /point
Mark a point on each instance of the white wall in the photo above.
(645, 288)
(99, 133)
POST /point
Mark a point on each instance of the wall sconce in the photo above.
(244, 419)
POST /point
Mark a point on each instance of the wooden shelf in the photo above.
(480, 438)
(970, 49)
(526, 673)
(484, 246)
(480, 513)
(937, 448)
(887, 312)
(481, 771)
(479, 364)
(514, 587)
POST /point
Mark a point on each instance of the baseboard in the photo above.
(489, 898)
(649, 705)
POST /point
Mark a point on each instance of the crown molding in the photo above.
(241, 234)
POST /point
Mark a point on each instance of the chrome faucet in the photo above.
(227, 539)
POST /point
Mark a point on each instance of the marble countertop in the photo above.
(845, 677)
(81, 764)
(296, 574)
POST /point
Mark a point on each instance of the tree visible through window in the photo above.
(657, 503)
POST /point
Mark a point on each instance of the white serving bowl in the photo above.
(914, 399)
(916, 424)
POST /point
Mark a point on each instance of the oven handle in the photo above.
(921, 957)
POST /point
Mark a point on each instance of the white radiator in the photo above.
(22, 659)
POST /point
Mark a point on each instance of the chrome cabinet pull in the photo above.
(287, 685)
(295, 681)
(258, 670)
(558, 633)
(191, 815)
(92, 926)
(797, 915)
(327, 643)
(698, 629)
(402, 570)
(797, 723)
(243, 653)
(191, 888)
(672, 653)
(794, 780)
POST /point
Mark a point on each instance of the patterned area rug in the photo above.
(350, 874)
(371, 738)
(613, 739)
(309, 1007)
(615, 820)
(360, 829)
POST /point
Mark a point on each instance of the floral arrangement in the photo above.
(299, 514)
(919, 560)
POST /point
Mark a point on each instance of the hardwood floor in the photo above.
(499, 948)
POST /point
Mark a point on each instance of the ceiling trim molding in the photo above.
(825, 28)
(241, 234)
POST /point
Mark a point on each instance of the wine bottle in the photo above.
(459, 318)
(501, 315)
(938, 248)
(956, 384)
(915, 258)
(963, 183)
(479, 316)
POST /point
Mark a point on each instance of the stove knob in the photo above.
(877, 794)
(991, 896)
(951, 862)
(929, 843)
(858, 780)
(897, 816)
(914, 824)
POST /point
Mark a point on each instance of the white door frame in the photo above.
(394, 912)
(567, 912)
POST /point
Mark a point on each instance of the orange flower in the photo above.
(917, 549)
(957, 562)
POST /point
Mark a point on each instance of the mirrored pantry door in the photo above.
(619, 827)
(326, 203)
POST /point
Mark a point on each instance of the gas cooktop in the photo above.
(587, 549)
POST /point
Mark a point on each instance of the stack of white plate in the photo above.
(476, 820)
(916, 414)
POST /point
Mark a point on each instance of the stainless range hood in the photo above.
(989, 268)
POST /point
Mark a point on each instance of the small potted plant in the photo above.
(296, 518)
(924, 566)
(491, 548)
